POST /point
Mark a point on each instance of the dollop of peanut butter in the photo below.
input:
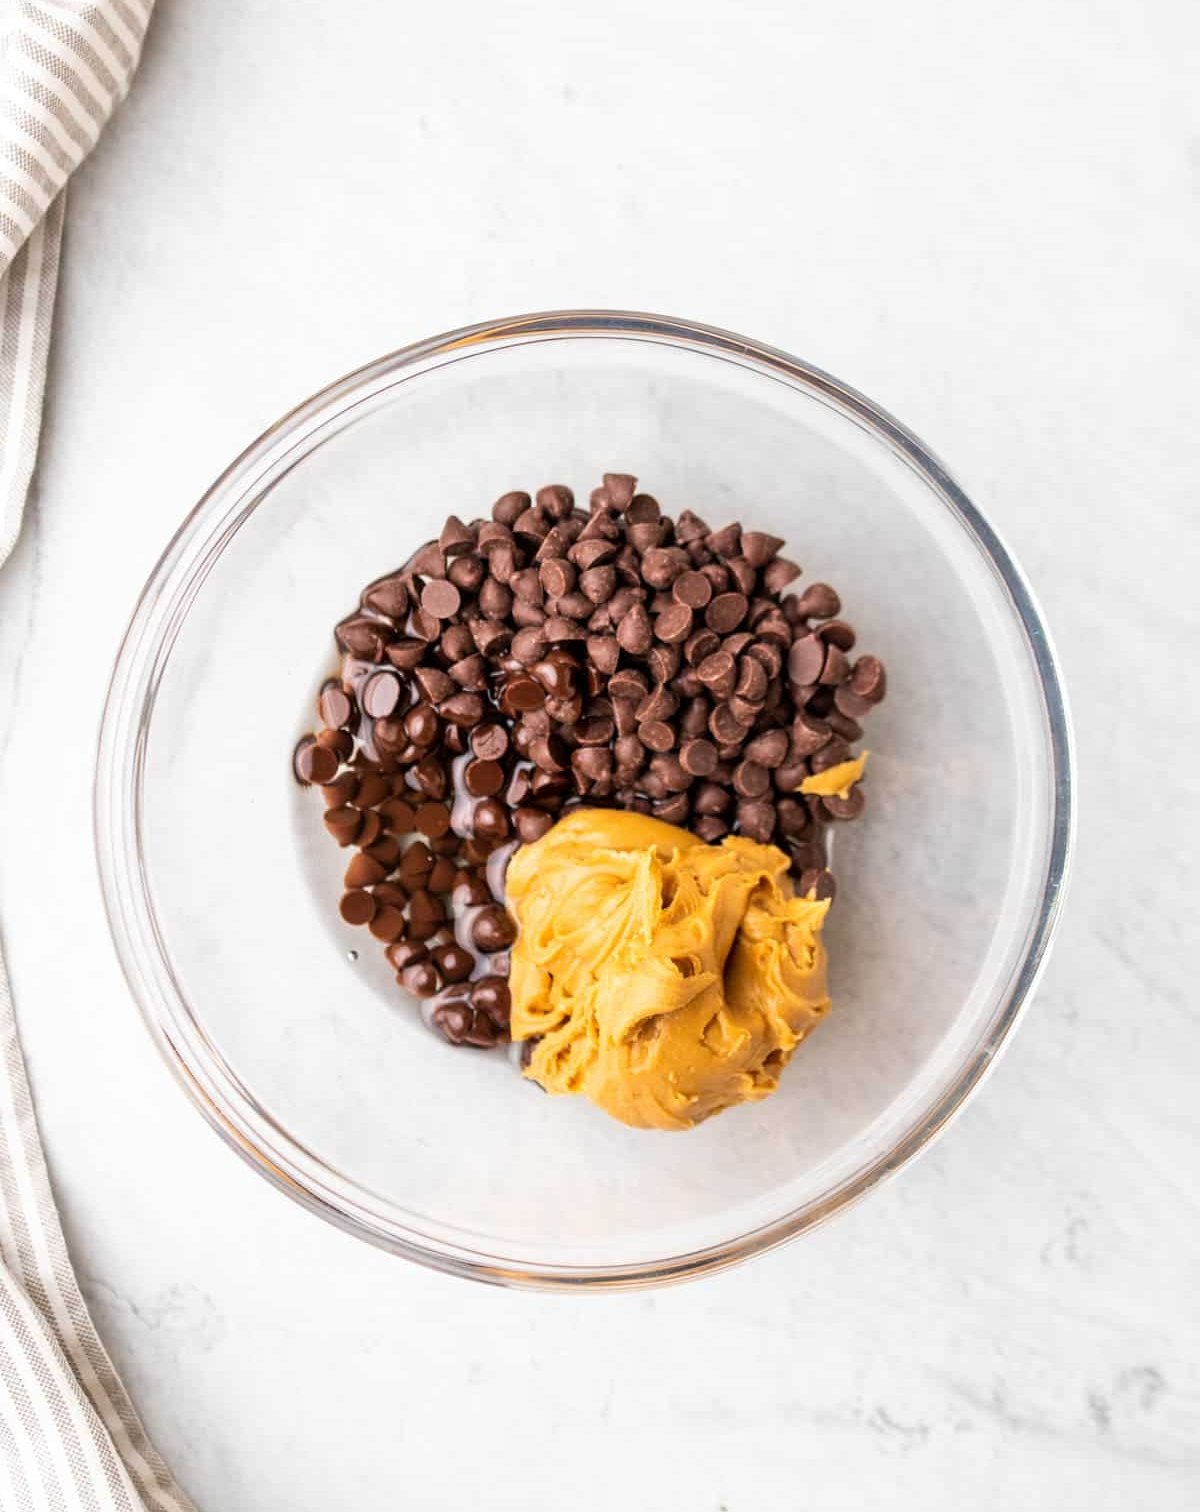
(663, 978)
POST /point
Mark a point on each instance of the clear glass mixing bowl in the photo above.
(285, 1026)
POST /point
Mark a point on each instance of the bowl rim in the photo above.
(214, 1087)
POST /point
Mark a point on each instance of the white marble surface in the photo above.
(986, 217)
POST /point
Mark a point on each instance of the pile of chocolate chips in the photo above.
(551, 657)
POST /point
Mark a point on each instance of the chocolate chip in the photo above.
(745, 712)
(671, 773)
(832, 754)
(416, 864)
(489, 820)
(590, 552)
(673, 810)
(698, 757)
(431, 776)
(700, 646)
(619, 487)
(558, 674)
(808, 735)
(819, 601)
(693, 589)
(455, 537)
(806, 659)
(768, 749)
(604, 651)
(387, 595)
(852, 707)
(362, 637)
(532, 526)
(778, 574)
(718, 672)
(527, 615)
(470, 673)
(340, 790)
(556, 499)
(440, 598)
(726, 612)
(463, 709)
(421, 725)
(426, 914)
(364, 871)
(850, 807)
(759, 548)
(495, 599)
(469, 889)
(837, 666)
(793, 817)
(845, 726)
(406, 953)
(357, 907)
(314, 763)
(633, 631)
(490, 994)
(710, 829)
(643, 509)
(664, 662)
(868, 680)
(661, 565)
(628, 684)
(557, 576)
(483, 779)
(550, 753)
(442, 875)
(527, 585)
(432, 819)
(694, 719)
(659, 703)
(531, 824)
(421, 979)
(559, 628)
(752, 681)
(673, 625)
(454, 963)
(598, 583)
(596, 729)
(756, 819)
(343, 824)
(381, 694)
(593, 766)
(656, 735)
(725, 727)
(388, 924)
(645, 535)
(529, 645)
(725, 542)
(836, 632)
(467, 573)
(493, 929)
(750, 780)
(489, 742)
(335, 706)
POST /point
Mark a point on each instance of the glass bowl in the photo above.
(285, 1026)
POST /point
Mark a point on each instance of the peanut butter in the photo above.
(662, 978)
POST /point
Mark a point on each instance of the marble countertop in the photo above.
(987, 219)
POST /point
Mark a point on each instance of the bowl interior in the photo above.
(449, 1148)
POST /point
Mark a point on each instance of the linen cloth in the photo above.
(70, 1440)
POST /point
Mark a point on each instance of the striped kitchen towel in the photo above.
(70, 1440)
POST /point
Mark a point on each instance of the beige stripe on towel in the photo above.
(70, 1440)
